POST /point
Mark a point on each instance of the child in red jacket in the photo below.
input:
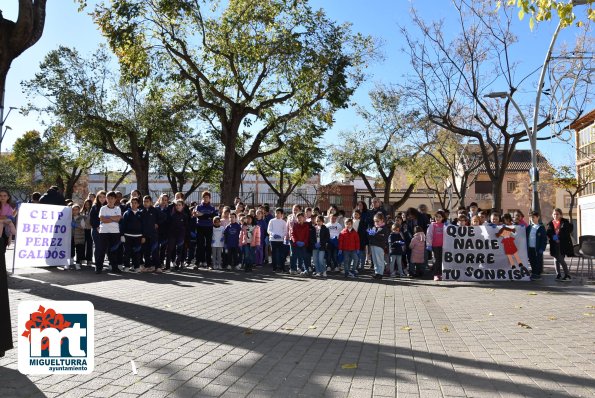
(299, 236)
(349, 247)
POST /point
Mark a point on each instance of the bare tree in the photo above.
(452, 78)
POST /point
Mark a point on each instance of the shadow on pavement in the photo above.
(19, 386)
(305, 358)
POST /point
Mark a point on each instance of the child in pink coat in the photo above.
(249, 239)
(418, 247)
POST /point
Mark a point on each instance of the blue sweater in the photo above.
(131, 223)
(231, 233)
(208, 213)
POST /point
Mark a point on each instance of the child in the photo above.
(435, 239)
(249, 239)
(217, 243)
(7, 219)
(261, 223)
(276, 229)
(334, 229)
(536, 243)
(417, 246)
(150, 218)
(396, 242)
(378, 241)
(322, 241)
(231, 248)
(300, 235)
(483, 217)
(86, 212)
(178, 228)
(494, 219)
(559, 232)
(78, 236)
(132, 228)
(476, 221)
(109, 233)
(361, 225)
(349, 246)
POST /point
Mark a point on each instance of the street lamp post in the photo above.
(534, 171)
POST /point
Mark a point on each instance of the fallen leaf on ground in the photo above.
(446, 329)
(311, 327)
(349, 366)
(589, 306)
(490, 314)
(519, 306)
(406, 328)
(248, 332)
(524, 325)
(167, 305)
(286, 328)
(531, 294)
(587, 314)
(552, 318)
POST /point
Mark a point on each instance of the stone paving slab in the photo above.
(224, 334)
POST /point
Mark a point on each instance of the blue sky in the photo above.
(379, 18)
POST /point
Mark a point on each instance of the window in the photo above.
(483, 187)
(566, 201)
(586, 142)
(511, 186)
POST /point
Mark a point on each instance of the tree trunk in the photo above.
(497, 192)
(571, 206)
(141, 170)
(232, 170)
(405, 197)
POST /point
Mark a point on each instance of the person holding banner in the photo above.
(558, 231)
(5, 326)
(434, 242)
(507, 232)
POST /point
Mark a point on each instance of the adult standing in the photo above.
(53, 196)
(559, 232)
(204, 214)
(5, 325)
(376, 208)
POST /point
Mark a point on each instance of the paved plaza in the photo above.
(231, 334)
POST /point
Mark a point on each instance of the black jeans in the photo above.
(133, 249)
(536, 261)
(437, 250)
(151, 251)
(88, 245)
(111, 244)
(204, 236)
(278, 252)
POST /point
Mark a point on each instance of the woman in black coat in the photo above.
(559, 232)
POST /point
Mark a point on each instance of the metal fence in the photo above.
(321, 200)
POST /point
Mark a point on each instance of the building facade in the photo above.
(585, 167)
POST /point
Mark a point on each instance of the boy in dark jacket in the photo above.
(349, 246)
(396, 243)
(178, 229)
(536, 243)
(151, 218)
(322, 238)
(131, 227)
(231, 238)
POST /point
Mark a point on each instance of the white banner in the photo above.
(44, 235)
(485, 253)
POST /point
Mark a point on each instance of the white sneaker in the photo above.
(403, 275)
(304, 273)
(133, 270)
(328, 269)
(324, 274)
(77, 267)
(66, 267)
(393, 274)
(228, 268)
(236, 268)
(127, 269)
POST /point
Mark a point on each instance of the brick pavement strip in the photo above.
(208, 333)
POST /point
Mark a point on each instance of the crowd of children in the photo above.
(138, 235)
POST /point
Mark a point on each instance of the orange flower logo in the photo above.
(43, 319)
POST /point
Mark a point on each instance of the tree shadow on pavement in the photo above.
(287, 363)
(14, 384)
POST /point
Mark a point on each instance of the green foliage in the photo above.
(130, 120)
(291, 166)
(542, 10)
(11, 178)
(248, 64)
